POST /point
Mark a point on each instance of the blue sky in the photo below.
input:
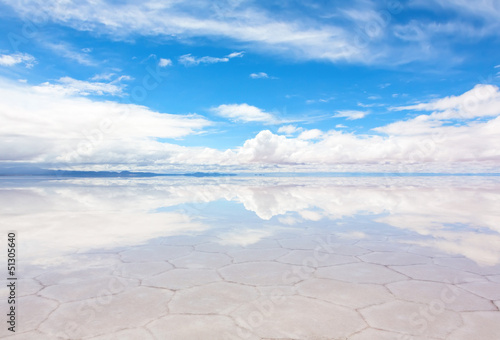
(316, 85)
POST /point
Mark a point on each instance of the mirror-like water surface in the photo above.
(247, 258)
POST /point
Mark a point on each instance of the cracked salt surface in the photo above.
(282, 258)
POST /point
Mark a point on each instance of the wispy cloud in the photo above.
(103, 76)
(483, 101)
(17, 58)
(367, 32)
(289, 129)
(67, 51)
(236, 55)
(248, 22)
(259, 75)
(351, 114)
(371, 105)
(321, 100)
(189, 60)
(70, 86)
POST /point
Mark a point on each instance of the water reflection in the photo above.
(454, 215)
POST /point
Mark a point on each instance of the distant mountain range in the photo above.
(35, 171)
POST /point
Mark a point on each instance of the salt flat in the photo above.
(245, 258)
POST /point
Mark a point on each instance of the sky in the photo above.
(240, 85)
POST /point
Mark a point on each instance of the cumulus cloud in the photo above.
(310, 134)
(165, 62)
(244, 113)
(17, 58)
(407, 144)
(482, 101)
(54, 127)
(48, 126)
(350, 114)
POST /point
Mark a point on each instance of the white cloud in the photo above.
(48, 126)
(246, 22)
(17, 58)
(408, 149)
(310, 134)
(481, 101)
(366, 32)
(103, 76)
(70, 86)
(340, 126)
(371, 105)
(350, 114)
(189, 60)
(321, 100)
(289, 129)
(484, 9)
(425, 141)
(165, 62)
(52, 127)
(259, 75)
(244, 113)
(67, 51)
(236, 55)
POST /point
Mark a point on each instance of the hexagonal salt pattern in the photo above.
(219, 298)
(262, 273)
(178, 292)
(298, 317)
(310, 284)
(182, 278)
(360, 273)
(412, 318)
(351, 295)
(209, 327)
(107, 314)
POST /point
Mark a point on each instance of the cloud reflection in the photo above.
(456, 215)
